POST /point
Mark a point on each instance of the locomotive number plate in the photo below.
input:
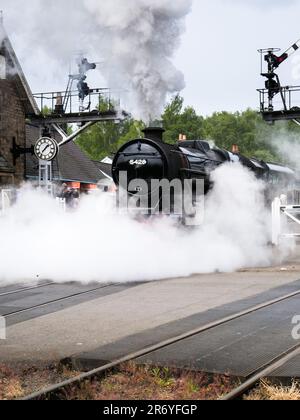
(138, 162)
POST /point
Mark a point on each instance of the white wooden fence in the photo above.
(6, 197)
(61, 203)
(285, 220)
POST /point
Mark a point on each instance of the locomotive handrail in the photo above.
(197, 157)
(193, 171)
(138, 154)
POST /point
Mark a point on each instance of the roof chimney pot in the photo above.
(235, 149)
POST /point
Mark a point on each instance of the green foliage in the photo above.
(133, 130)
(179, 120)
(105, 138)
(193, 388)
(246, 129)
(163, 377)
(46, 111)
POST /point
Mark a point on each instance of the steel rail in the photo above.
(25, 289)
(53, 391)
(62, 299)
(267, 370)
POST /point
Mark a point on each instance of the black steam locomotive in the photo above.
(150, 158)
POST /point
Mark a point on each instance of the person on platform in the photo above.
(63, 191)
(74, 203)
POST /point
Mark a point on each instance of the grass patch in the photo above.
(134, 382)
(20, 381)
(270, 392)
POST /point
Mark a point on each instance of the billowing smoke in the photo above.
(136, 39)
(141, 36)
(2, 34)
(96, 244)
(287, 145)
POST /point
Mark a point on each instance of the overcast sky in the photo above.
(218, 53)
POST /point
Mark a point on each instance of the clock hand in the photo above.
(43, 151)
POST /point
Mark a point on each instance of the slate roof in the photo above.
(104, 168)
(74, 165)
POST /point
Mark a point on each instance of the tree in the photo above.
(247, 129)
(179, 120)
(100, 140)
(133, 131)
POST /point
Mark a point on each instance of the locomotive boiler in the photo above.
(150, 158)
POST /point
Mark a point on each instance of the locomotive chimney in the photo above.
(154, 133)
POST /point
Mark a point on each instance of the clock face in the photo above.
(46, 149)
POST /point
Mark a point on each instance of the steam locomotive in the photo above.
(151, 158)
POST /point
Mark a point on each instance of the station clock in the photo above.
(46, 149)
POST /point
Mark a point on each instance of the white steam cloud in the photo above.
(142, 36)
(287, 144)
(96, 244)
(135, 38)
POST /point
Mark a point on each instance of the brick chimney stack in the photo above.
(235, 149)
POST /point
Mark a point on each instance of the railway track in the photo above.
(59, 389)
(51, 302)
(264, 372)
(25, 289)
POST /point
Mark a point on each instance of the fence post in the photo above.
(62, 203)
(5, 201)
(276, 221)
